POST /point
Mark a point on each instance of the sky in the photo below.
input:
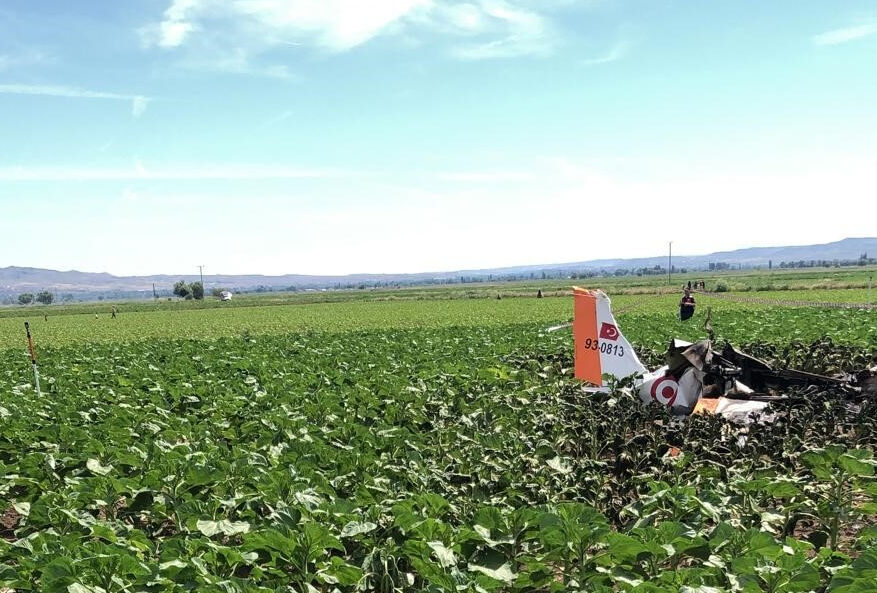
(343, 136)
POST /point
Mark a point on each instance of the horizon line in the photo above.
(535, 266)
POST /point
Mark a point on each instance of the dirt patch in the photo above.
(8, 522)
(10, 518)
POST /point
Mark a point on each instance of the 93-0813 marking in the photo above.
(604, 347)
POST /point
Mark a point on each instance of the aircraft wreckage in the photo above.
(696, 378)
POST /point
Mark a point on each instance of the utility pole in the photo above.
(670, 265)
(201, 270)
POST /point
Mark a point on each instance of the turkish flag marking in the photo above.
(608, 332)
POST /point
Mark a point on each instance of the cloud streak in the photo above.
(138, 102)
(617, 52)
(845, 35)
(278, 118)
(140, 172)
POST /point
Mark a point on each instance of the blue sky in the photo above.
(339, 136)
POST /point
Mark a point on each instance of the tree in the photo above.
(45, 297)
(197, 291)
(25, 298)
(183, 290)
(216, 292)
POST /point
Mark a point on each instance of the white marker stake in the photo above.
(33, 358)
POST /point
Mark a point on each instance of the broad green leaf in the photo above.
(445, 555)
(225, 527)
(559, 465)
(57, 575)
(355, 528)
(95, 467)
(855, 466)
(80, 588)
(340, 573)
(503, 574)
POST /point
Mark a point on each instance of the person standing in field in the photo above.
(686, 306)
(114, 312)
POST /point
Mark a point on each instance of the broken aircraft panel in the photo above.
(695, 378)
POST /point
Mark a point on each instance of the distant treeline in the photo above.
(863, 260)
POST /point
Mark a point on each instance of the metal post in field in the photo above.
(33, 358)
(670, 265)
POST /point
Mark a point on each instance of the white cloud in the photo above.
(138, 105)
(59, 91)
(241, 29)
(335, 24)
(516, 32)
(172, 33)
(138, 102)
(837, 36)
(464, 17)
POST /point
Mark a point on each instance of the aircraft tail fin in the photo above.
(600, 347)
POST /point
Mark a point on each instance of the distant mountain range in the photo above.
(15, 280)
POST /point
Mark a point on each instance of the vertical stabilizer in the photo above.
(600, 347)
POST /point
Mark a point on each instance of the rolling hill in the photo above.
(14, 280)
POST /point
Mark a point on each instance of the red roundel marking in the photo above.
(664, 390)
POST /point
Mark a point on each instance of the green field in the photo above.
(812, 282)
(653, 319)
(421, 444)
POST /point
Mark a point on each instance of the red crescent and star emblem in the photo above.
(608, 332)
